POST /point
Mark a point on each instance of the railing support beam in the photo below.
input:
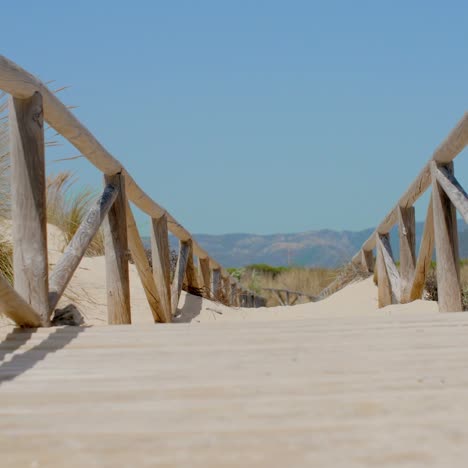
(29, 212)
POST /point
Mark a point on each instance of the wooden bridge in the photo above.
(341, 388)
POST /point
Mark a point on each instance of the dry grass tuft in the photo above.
(67, 208)
(305, 280)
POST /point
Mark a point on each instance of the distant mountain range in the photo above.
(324, 248)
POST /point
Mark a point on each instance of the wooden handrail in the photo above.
(21, 84)
(31, 102)
(445, 153)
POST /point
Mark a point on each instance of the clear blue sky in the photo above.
(256, 116)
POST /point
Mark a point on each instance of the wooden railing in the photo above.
(286, 297)
(36, 293)
(440, 232)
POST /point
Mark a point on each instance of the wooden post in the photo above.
(388, 278)
(367, 260)
(216, 279)
(28, 203)
(116, 250)
(407, 231)
(425, 255)
(137, 250)
(205, 275)
(446, 242)
(182, 259)
(191, 275)
(234, 295)
(71, 258)
(162, 264)
(227, 289)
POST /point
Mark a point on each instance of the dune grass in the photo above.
(67, 208)
(306, 280)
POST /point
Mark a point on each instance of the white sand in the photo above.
(87, 292)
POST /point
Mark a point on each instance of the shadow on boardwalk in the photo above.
(22, 362)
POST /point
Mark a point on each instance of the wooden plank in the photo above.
(216, 282)
(424, 257)
(137, 250)
(69, 261)
(234, 295)
(182, 259)
(388, 276)
(13, 306)
(446, 242)
(205, 275)
(227, 289)
(367, 260)
(161, 264)
(279, 297)
(407, 233)
(116, 251)
(453, 190)
(191, 274)
(28, 202)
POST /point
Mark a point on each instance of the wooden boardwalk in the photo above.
(366, 390)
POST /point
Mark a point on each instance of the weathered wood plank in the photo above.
(424, 257)
(13, 306)
(205, 275)
(191, 274)
(216, 282)
(453, 190)
(28, 203)
(182, 259)
(69, 261)
(388, 277)
(137, 250)
(116, 251)
(234, 295)
(446, 242)
(367, 260)
(407, 233)
(227, 289)
(161, 264)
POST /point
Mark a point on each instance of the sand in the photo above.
(338, 383)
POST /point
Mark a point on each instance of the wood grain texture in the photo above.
(21, 84)
(177, 282)
(28, 202)
(216, 282)
(453, 190)
(205, 275)
(407, 233)
(426, 249)
(69, 261)
(446, 243)
(388, 276)
(13, 306)
(137, 251)
(191, 273)
(355, 391)
(160, 253)
(116, 252)
(367, 260)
